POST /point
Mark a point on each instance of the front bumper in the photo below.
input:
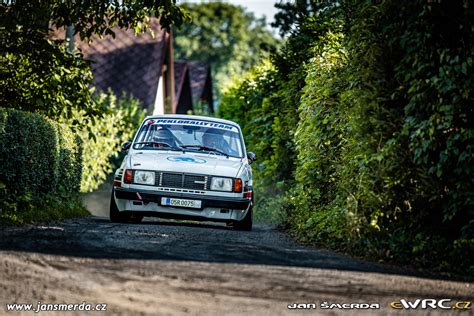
(207, 201)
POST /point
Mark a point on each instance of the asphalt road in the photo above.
(176, 268)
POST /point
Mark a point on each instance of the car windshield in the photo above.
(189, 135)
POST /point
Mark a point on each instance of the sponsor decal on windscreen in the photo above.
(197, 123)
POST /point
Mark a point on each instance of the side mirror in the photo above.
(126, 146)
(251, 156)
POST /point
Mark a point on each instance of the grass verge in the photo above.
(44, 213)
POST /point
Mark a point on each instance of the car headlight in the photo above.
(221, 184)
(144, 177)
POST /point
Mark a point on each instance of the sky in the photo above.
(258, 7)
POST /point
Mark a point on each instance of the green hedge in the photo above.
(40, 167)
(119, 123)
(379, 160)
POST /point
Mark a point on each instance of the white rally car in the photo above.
(185, 167)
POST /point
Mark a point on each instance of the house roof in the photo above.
(192, 83)
(180, 71)
(129, 63)
(199, 73)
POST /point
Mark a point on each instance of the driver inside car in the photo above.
(215, 139)
(163, 138)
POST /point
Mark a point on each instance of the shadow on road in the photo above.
(97, 237)
(156, 239)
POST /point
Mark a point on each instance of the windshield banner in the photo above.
(197, 123)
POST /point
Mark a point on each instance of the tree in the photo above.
(90, 17)
(229, 38)
(291, 15)
(38, 74)
(367, 114)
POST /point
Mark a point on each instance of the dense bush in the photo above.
(264, 102)
(246, 101)
(413, 89)
(321, 138)
(44, 165)
(40, 166)
(379, 159)
(118, 125)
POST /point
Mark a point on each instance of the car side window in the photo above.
(143, 134)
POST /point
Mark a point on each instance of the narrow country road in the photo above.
(178, 268)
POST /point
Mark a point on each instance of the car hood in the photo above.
(186, 163)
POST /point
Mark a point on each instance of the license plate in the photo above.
(181, 203)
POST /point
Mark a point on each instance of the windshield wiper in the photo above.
(205, 148)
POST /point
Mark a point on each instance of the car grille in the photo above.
(182, 181)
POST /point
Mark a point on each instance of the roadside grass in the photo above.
(269, 207)
(44, 213)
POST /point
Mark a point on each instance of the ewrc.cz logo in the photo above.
(431, 303)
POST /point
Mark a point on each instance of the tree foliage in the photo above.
(246, 102)
(119, 123)
(90, 17)
(376, 141)
(229, 38)
(38, 74)
(413, 89)
(291, 14)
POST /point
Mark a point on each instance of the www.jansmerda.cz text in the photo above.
(60, 307)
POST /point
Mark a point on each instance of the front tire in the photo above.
(117, 217)
(114, 214)
(246, 223)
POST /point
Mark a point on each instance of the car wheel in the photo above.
(246, 223)
(115, 216)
